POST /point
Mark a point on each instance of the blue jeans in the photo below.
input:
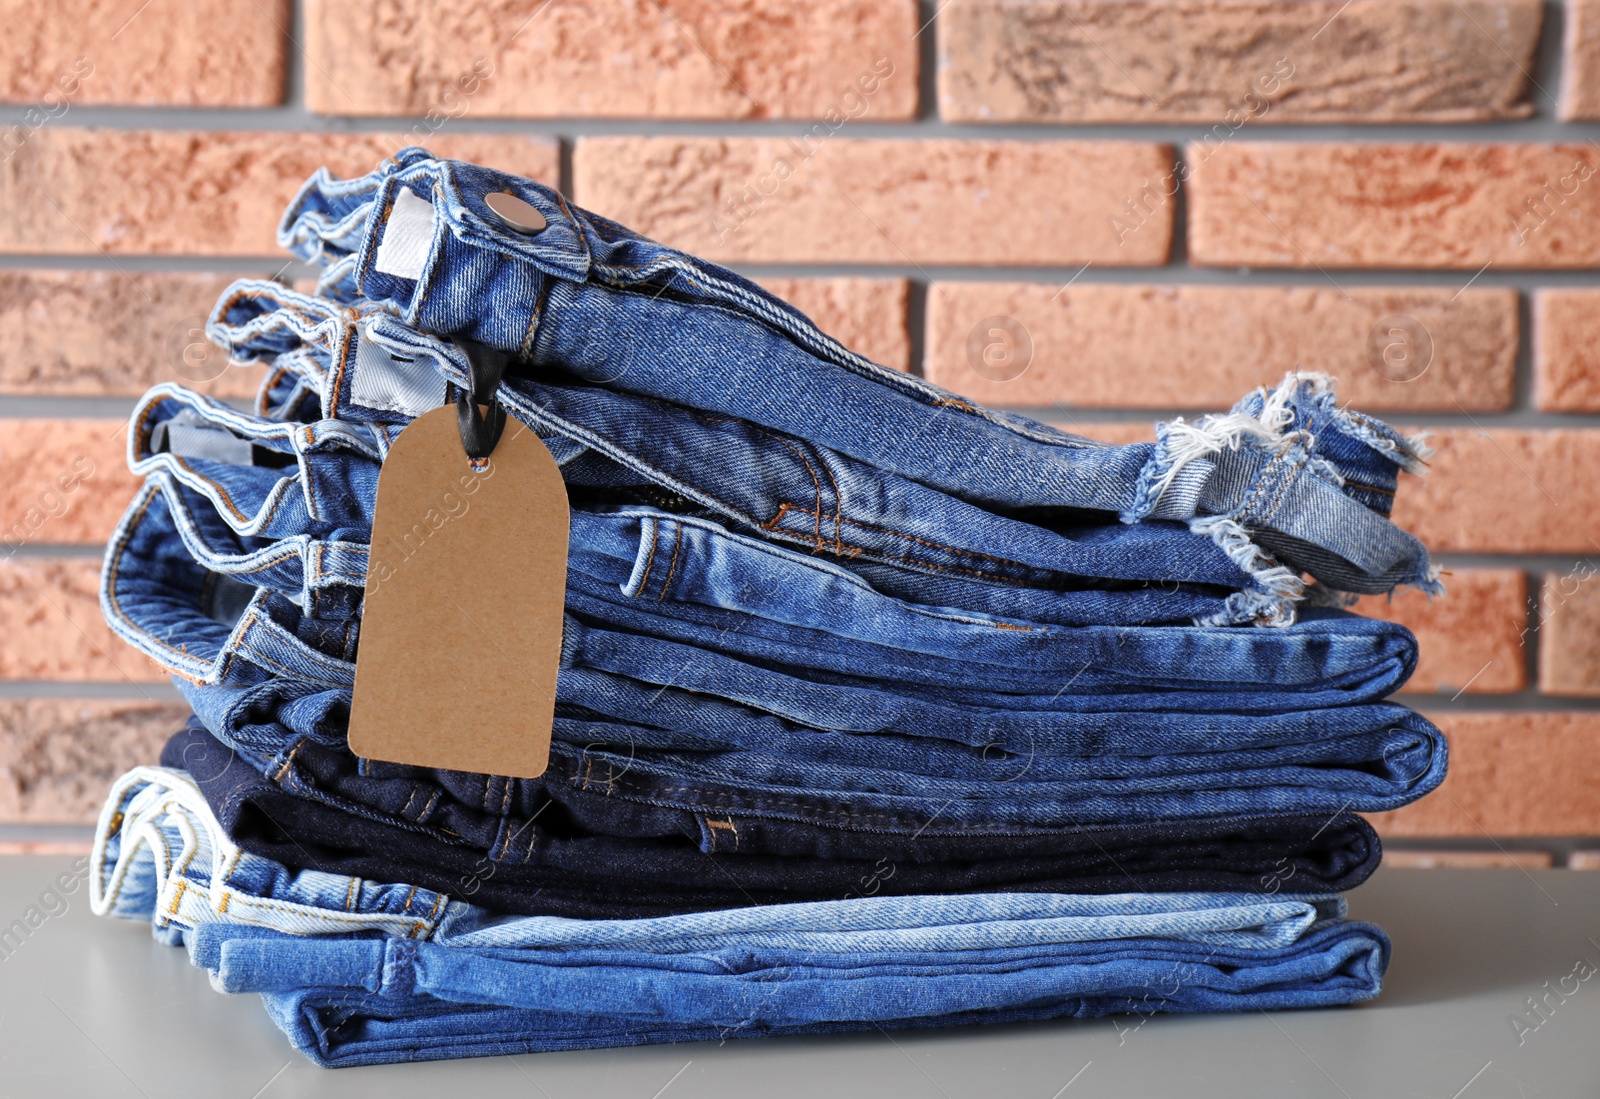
(588, 297)
(327, 950)
(302, 530)
(319, 477)
(336, 1027)
(736, 982)
(722, 394)
(570, 844)
(160, 855)
(681, 713)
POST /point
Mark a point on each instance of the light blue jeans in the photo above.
(417, 970)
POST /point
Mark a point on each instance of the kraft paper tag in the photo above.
(461, 627)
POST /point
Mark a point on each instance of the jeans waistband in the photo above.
(159, 855)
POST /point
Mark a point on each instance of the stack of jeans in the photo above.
(875, 708)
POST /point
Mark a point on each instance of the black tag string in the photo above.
(479, 432)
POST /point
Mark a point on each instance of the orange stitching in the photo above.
(287, 762)
(721, 824)
(913, 538)
(856, 551)
(817, 534)
(655, 538)
(676, 546)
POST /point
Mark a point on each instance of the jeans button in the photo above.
(514, 213)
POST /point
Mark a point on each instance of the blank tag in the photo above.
(461, 627)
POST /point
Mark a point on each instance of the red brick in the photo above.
(59, 756)
(1199, 60)
(200, 53)
(1580, 86)
(110, 333)
(879, 201)
(1506, 490)
(1568, 624)
(866, 315)
(1470, 638)
(1530, 774)
(1202, 347)
(1294, 204)
(1566, 350)
(54, 630)
(62, 481)
(683, 59)
(1466, 860)
(170, 192)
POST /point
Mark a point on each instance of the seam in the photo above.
(677, 545)
(650, 560)
(856, 551)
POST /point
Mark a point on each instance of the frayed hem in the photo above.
(1252, 608)
(1411, 454)
(1180, 444)
(1430, 585)
(1230, 535)
(1277, 589)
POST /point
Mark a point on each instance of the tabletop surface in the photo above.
(95, 1007)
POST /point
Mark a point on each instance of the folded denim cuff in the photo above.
(1288, 483)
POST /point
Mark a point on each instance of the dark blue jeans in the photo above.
(565, 845)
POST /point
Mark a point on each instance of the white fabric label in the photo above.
(392, 382)
(407, 237)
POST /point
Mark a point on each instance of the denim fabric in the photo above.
(365, 1001)
(360, 972)
(1064, 769)
(650, 572)
(234, 521)
(160, 855)
(588, 299)
(587, 852)
(676, 714)
(329, 949)
(1087, 570)
(791, 488)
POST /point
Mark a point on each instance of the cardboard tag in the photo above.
(461, 626)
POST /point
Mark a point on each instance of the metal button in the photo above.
(515, 213)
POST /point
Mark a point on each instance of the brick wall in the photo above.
(1097, 211)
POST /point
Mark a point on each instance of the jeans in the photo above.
(676, 714)
(323, 946)
(727, 594)
(964, 506)
(347, 1025)
(302, 531)
(611, 309)
(1068, 768)
(577, 849)
(318, 478)
(160, 855)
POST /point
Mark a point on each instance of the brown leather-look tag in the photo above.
(461, 626)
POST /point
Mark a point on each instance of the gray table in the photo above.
(96, 1008)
